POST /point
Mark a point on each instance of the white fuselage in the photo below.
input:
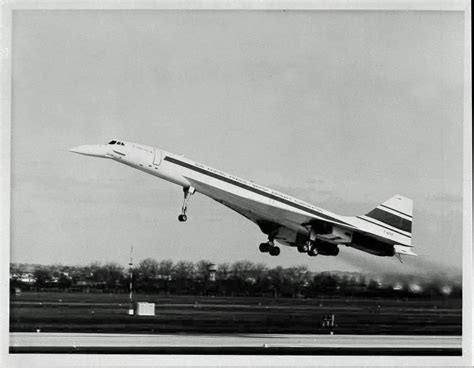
(229, 190)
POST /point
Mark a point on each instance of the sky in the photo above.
(342, 109)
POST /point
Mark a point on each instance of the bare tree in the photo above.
(165, 268)
(242, 270)
(42, 277)
(114, 275)
(202, 269)
(223, 271)
(183, 270)
(297, 278)
(277, 280)
(147, 272)
(259, 271)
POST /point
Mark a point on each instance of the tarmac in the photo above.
(272, 344)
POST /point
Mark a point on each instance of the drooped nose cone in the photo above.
(96, 150)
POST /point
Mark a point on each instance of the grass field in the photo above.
(83, 312)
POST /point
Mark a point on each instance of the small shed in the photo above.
(145, 309)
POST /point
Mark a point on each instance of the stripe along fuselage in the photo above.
(182, 171)
(256, 201)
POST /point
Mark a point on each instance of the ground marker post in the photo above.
(329, 322)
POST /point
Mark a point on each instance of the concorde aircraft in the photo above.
(384, 231)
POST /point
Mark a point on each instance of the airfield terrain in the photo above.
(108, 313)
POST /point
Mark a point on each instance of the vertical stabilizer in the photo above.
(397, 212)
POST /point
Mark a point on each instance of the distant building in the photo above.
(27, 278)
(398, 286)
(415, 288)
(84, 285)
(446, 290)
(212, 269)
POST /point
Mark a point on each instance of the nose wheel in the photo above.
(187, 194)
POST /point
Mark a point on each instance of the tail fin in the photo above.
(396, 212)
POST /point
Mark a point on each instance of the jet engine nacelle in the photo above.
(333, 251)
(327, 249)
(371, 245)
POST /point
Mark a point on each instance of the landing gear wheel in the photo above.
(313, 251)
(302, 248)
(264, 247)
(274, 251)
(187, 194)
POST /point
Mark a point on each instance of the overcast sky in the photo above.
(341, 109)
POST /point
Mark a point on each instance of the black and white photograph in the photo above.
(241, 183)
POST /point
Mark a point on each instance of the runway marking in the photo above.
(19, 339)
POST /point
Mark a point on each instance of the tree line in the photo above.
(240, 278)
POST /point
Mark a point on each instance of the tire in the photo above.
(263, 247)
(182, 218)
(313, 252)
(275, 251)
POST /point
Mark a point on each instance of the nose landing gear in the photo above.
(187, 194)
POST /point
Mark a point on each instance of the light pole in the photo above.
(130, 264)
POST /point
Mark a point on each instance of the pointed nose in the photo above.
(96, 150)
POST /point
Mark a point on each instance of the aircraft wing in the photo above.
(264, 213)
(291, 222)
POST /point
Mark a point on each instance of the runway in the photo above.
(258, 344)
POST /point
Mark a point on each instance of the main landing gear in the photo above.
(313, 250)
(269, 247)
(304, 248)
(187, 194)
(309, 247)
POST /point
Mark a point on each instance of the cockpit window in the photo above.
(117, 142)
